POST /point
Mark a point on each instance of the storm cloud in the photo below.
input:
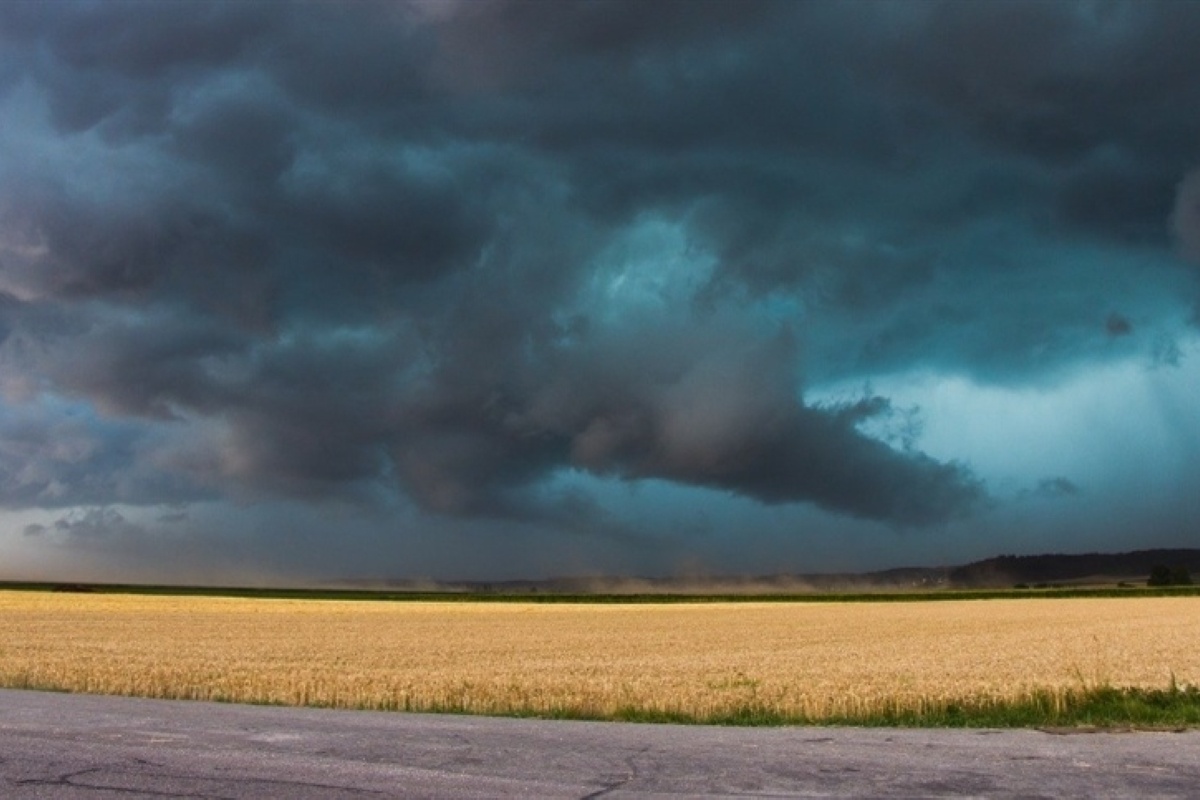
(1186, 218)
(448, 255)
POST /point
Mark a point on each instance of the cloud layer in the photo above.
(450, 252)
(1186, 218)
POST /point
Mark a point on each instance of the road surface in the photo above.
(76, 746)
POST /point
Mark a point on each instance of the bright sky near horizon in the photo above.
(496, 289)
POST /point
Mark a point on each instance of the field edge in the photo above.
(1174, 708)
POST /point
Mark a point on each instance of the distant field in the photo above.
(700, 662)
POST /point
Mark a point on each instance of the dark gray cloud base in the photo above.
(327, 250)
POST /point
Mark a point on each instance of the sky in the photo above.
(478, 289)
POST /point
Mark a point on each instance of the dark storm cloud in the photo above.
(712, 408)
(322, 249)
(1186, 217)
(1061, 81)
(847, 156)
(58, 457)
(1057, 487)
(1118, 325)
(96, 523)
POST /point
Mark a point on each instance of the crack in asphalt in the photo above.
(1083, 730)
(631, 765)
(72, 779)
(64, 779)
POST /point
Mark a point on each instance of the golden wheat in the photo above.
(704, 660)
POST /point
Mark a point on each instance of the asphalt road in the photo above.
(76, 746)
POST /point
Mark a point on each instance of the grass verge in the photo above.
(1103, 708)
(1098, 708)
(1111, 708)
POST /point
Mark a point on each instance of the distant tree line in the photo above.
(1053, 568)
(1162, 575)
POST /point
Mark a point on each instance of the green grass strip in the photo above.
(1098, 708)
(599, 599)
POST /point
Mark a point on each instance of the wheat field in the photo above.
(799, 660)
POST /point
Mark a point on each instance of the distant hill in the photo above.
(1007, 571)
(1061, 568)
